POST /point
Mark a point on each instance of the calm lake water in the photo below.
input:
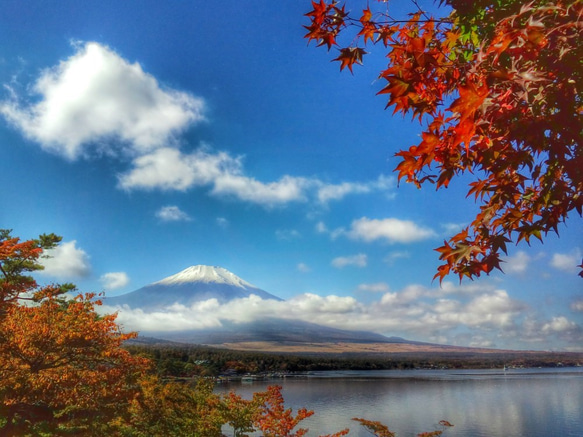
(480, 403)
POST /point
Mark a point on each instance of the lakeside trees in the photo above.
(497, 86)
(187, 361)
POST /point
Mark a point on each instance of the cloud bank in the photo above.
(169, 169)
(476, 315)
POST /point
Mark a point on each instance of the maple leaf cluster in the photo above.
(496, 85)
(274, 420)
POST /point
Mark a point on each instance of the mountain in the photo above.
(274, 330)
(199, 283)
(194, 284)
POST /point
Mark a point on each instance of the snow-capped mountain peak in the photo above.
(194, 284)
(205, 274)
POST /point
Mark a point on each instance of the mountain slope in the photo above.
(274, 330)
(194, 284)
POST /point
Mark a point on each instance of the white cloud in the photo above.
(577, 305)
(287, 189)
(287, 234)
(559, 324)
(203, 315)
(567, 262)
(481, 342)
(222, 222)
(556, 332)
(170, 169)
(96, 96)
(517, 264)
(467, 288)
(210, 313)
(406, 296)
(314, 304)
(359, 260)
(114, 280)
(377, 287)
(492, 309)
(453, 228)
(328, 192)
(303, 268)
(321, 228)
(66, 261)
(393, 256)
(391, 230)
(172, 213)
(335, 192)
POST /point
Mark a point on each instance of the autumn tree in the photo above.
(496, 85)
(273, 419)
(62, 367)
(17, 260)
(171, 408)
(240, 414)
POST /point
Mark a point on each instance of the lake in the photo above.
(480, 403)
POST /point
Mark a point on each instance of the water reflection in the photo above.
(479, 403)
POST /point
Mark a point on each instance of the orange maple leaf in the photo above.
(350, 56)
(470, 99)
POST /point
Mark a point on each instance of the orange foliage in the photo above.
(61, 364)
(375, 428)
(513, 75)
(274, 420)
(11, 250)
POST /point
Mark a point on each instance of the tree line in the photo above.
(176, 360)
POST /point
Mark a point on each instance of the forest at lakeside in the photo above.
(498, 85)
(175, 360)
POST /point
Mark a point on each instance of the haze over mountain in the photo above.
(274, 331)
(193, 284)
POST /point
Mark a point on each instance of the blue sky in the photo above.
(157, 135)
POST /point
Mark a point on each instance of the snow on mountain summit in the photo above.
(191, 285)
(205, 274)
